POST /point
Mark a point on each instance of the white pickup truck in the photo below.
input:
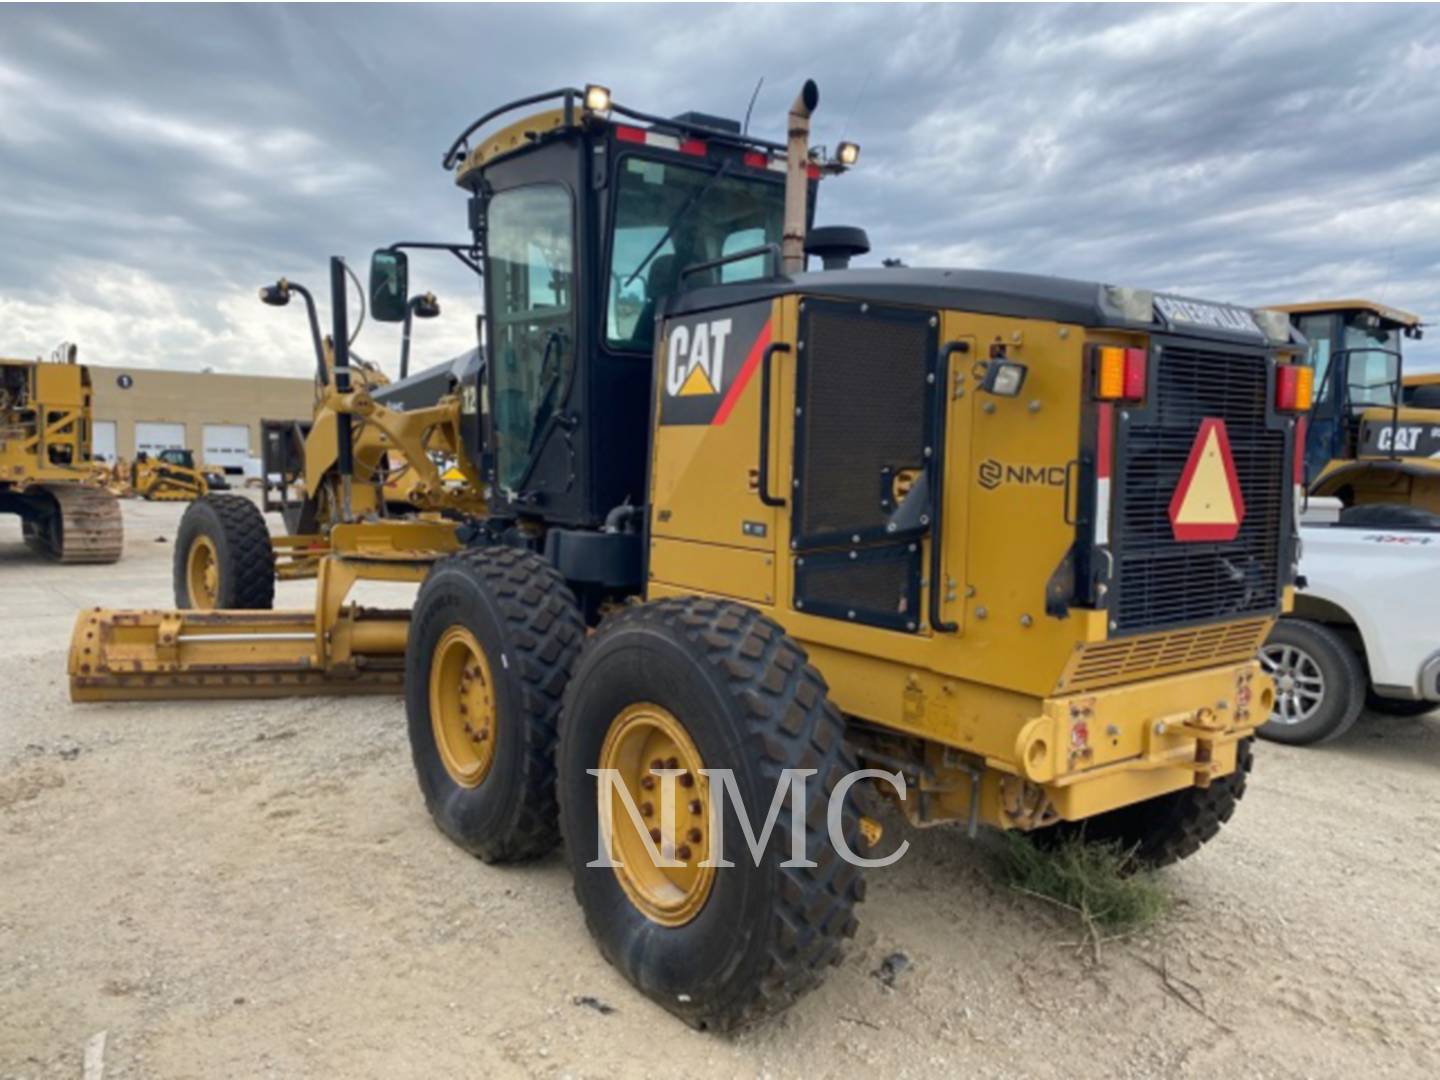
(1365, 630)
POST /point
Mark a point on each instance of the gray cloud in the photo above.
(157, 164)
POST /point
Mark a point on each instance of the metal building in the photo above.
(215, 415)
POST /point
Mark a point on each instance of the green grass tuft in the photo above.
(1099, 882)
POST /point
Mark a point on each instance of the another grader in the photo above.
(1010, 541)
(1369, 441)
(47, 475)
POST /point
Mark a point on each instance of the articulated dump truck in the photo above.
(1010, 543)
(47, 476)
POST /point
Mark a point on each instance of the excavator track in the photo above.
(82, 526)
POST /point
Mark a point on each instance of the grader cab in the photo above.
(1368, 442)
(1010, 543)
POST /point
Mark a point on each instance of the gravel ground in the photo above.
(255, 889)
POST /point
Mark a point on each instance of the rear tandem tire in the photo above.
(1164, 830)
(748, 941)
(237, 542)
(520, 621)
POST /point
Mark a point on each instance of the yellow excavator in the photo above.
(47, 475)
(734, 532)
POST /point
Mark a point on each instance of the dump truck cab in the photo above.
(1367, 442)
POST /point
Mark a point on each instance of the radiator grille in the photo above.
(1121, 660)
(863, 395)
(877, 586)
(1160, 581)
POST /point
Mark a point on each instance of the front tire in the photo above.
(223, 556)
(1319, 683)
(492, 639)
(695, 684)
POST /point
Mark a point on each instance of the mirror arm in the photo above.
(405, 336)
(314, 329)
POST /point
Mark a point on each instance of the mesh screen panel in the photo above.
(864, 405)
(879, 586)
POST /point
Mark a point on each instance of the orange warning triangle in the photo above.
(1207, 504)
(696, 383)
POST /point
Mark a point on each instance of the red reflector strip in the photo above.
(695, 147)
(812, 171)
(1300, 426)
(1104, 439)
(756, 160)
(630, 134)
(1134, 374)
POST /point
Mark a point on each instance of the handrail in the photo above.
(937, 485)
(773, 250)
(569, 93)
(762, 479)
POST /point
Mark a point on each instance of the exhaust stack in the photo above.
(797, 180)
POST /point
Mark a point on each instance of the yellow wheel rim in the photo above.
(642, 739)
(462, 707)
(202, 574)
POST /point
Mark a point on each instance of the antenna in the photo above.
(745, 127)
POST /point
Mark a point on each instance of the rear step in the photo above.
(171, 655)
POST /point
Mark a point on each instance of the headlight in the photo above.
(597, 99)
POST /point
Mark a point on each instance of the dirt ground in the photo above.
(255, 889)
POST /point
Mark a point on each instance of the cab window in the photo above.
(668, 217)
(530, 247)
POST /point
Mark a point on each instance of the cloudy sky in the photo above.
(157, 164)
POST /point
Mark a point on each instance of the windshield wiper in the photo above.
(690, 204)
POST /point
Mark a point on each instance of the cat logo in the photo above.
(1207, 504)
(696, 360)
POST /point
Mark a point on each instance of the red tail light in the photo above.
(1294, 384)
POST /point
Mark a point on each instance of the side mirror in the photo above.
(389, 285)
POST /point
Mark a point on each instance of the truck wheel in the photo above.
(223, 557)
(694, 685)
(1319, 683)
(1164, 830)
(492, 639)
(1389, 516)
(1390, 706)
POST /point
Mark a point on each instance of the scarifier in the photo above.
(1012, 539)
(47, 475)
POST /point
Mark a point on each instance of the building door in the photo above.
(102, 441)
(152, 437)
(226, 446)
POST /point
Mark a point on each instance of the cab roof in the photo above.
(1324, 307)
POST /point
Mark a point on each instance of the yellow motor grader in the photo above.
(1011, 543)
(47, 475)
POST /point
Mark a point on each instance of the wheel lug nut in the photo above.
(693, 836)
(686, 780)
(695, 806)
(646, 809)
(655, 835)
(682, 852)
(672, 763)
(657, 764)
(647, 782)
